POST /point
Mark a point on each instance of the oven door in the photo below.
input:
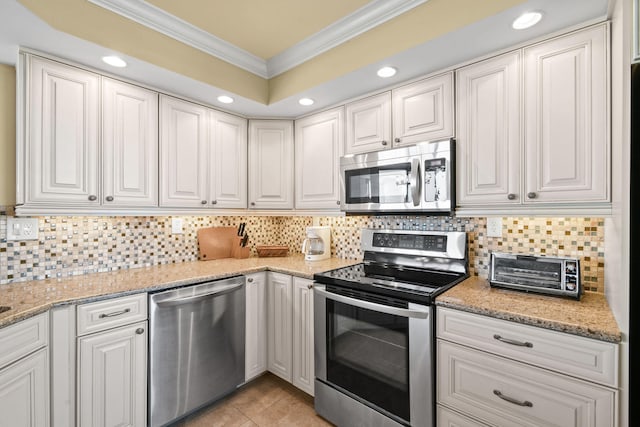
(377, 351)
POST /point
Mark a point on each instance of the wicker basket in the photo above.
(272, 251)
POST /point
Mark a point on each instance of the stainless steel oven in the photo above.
(418, 178)
(374, 328)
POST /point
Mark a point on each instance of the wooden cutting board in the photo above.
(220, 242)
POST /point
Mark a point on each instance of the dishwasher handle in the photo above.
(195, 298)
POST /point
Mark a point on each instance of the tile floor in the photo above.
(265, 401)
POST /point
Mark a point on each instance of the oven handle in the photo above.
(415, 182)
(395, 311)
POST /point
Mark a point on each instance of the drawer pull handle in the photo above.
(115, 313)
(512, 400)
(513, 342)
(140, 331)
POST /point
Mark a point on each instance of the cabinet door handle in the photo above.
(384, 142)
(512, 400)
(203, 202)
(532, 195)
(213, 202)
(310, 286)
(93, 198)
(512, 342)
(253, 203)
(109, 198)
(250, 280)
(338, 202)
(114, 314)
(396, 140)
(511, 196)
(140, 331)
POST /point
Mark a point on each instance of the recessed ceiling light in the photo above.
(526, 20)
(385, 72)
(114, 61)
(306, 101)
(225, 99)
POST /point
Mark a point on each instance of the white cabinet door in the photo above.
(423, 111)
(228, 164)
(129, 145)
(303, 373)
(488, 131)
(566, 118)
(184, 154)
(256, 325)
(271, 164)
(112, 377)
(368, 124)
(318, 142)
(63, 133)
(24, 392)
(279, 313)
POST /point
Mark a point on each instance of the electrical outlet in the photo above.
(22, 228)
(494, 227)
(176, 226)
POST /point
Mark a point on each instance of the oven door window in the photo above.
(368, 356)
(383, 184)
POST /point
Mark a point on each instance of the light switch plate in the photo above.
(494, 227)
(176, 226)
(22, 228)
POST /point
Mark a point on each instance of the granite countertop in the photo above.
(27, 299)
(590, 317)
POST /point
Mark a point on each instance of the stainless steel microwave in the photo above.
(419, 178)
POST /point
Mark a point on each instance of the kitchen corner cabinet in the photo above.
(271, 164)
(256, 325)
(112, 362)
(62, 134)
(488, 131)
(202, 156)
(368, 124)
(423, 111)
(279, 324)
(303, 371)
(129, 145)
(24, 373)
(495, 372)
(318, 144)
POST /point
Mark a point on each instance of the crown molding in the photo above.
(362, 20)
(373, 14)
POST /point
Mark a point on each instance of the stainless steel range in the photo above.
(374, 328)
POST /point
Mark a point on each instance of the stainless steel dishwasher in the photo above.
(196, 347)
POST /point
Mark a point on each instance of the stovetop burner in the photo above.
(410, 265)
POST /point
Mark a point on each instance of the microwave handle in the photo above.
(415, 182)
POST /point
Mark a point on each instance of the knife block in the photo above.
(220, 242)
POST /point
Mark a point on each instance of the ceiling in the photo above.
(268, 54)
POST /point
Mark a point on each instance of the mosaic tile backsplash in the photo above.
(79, 245)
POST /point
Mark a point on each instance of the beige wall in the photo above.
(7, 135)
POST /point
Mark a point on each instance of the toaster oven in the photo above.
(540, 274)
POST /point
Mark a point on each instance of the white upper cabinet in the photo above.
(488, 131)
(184, 153)
(368, 124)
(228, 161)
(271, 164)
(129, 145)
(318, 142)
(566, 118)
(62, 134)
(423, 111)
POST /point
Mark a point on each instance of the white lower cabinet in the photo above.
(256, 325)
(478, 383)
(290, 329)
(280, 317)
(303, 370)
(24, 373)
(112, 364)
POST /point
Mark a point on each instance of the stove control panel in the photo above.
(422, 242)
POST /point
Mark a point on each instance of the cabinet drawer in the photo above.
(22, 338)
(570, 354)
(502, 392)
(107, 314)
(445, 417)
